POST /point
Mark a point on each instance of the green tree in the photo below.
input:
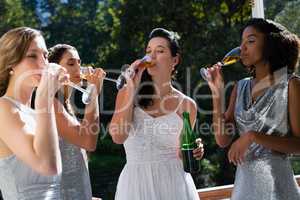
(14, 13)
(289, 16)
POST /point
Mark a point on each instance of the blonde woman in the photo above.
(30, 161)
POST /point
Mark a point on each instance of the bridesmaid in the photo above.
(75, 137)
(30, 162)
(266, 111)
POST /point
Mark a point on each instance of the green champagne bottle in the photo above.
(188, 144)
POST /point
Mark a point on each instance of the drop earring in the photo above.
(11, 72)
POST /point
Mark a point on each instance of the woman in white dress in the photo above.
(147, 121)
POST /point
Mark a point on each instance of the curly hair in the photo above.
(281, 47)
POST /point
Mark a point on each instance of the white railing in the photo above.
(222, 192)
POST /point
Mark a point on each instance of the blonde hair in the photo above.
(13, 46)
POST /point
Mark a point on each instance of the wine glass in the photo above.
(86, 97)
(146, 61)
(120, 81)
(231, 57)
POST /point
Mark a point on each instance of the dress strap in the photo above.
(14, 102)
(18, 105)
(182, 98)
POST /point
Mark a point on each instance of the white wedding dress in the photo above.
(153, 170)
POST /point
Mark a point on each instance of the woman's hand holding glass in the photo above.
(215, 79)
(133, 75)
(52, 79)
(93, 76)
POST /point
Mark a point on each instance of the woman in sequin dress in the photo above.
(75, 137)
(265, 111)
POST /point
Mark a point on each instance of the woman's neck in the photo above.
(262, 71)
(263, 77)
(163, 89)
(19, 93)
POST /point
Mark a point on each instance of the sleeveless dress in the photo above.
(18, 181)
(266, 174)
(75, 179)
(153, 171)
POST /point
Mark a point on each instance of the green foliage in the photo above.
(14, 13)
(296, 164)
(289, 16)
(109, 33)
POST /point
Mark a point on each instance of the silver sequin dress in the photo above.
(75, 183)
(75, 180)
(17, 180)
(265, 175)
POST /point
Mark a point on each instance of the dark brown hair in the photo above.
(281, 47)
(146, 91)
(55, 55)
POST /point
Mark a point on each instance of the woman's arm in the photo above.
(121, 122)
(38, 150)
(224, 123)
(84, 134)
(119, 126)
(290, 145)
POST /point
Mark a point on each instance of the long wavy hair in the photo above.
(13, 47)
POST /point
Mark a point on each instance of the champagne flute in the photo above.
(146, 62)
(121, 80)
(84, 71)
(86, 97)
(231, 57)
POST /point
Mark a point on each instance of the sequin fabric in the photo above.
(266, 174)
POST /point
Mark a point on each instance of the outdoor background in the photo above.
(109, 33)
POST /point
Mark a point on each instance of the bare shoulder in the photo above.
(294, 85)
(6, 108)
(187, 104)
(9, 115)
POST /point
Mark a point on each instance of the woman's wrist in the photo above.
(251, 136)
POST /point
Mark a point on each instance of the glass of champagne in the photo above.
(88, 92)
(53, 67)
(231, 57)
(85, 71)
(121, 80)
(146, 62)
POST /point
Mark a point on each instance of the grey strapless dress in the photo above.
(18, 181)
(266, 174)
(75, 184)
